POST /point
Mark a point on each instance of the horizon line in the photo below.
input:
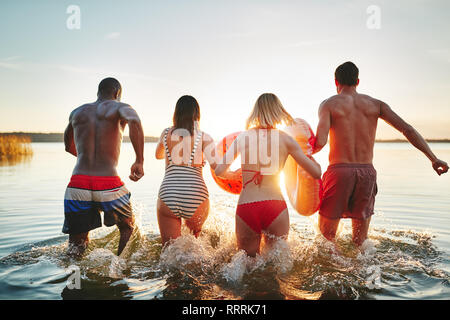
(153, 138)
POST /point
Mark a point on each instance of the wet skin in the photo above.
(94, 136)
(350, 119)
(269, 186)
(170, 224)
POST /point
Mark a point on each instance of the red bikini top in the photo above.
(257, 177)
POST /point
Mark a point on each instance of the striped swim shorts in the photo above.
(87, 196)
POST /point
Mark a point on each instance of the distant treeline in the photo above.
(59, 137)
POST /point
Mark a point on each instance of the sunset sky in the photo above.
(224, 53)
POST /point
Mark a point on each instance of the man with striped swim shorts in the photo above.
(94, 136)
(86, 196)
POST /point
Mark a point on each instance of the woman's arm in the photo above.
(309, 164)
(159, 153)
(209, 150)
(228, 158)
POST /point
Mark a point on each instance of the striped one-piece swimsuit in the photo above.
(183, 188)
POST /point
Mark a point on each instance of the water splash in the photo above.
(306, 266)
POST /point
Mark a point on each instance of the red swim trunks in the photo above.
(87, 196)
(349, 191)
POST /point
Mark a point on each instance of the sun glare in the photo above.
(282, 182)
(236, 164)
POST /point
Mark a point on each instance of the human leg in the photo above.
(360, 230)
(169, 224)
(196, 222)
(247, 239)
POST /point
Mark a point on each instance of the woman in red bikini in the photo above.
(264, 150)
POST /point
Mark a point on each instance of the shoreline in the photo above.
(59, 137)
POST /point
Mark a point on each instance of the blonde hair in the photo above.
(268, 112)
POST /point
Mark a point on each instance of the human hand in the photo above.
(440, 166)
(137, 171)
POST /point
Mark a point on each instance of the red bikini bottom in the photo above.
(260, 215)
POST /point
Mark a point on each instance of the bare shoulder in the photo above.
(286, 138)
(79, 110)
(126, 112)
(246, 133)
(119, 105)
(283, 134)
(370, 99)
(244, 137)
(114, 105)
(207, 137)
(329, 104)
(123, 105)
(376, 106)
(82, 107)
(331, 101)
(240, 138)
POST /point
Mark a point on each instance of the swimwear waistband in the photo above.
(351, 165)
(95, 183)
(83, 176)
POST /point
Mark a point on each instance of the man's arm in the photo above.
(323, 127)
(130, 116)
(68, 138)
(414, 137)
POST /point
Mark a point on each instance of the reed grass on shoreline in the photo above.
(13, 145)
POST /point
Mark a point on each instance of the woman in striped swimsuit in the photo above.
(183, 193)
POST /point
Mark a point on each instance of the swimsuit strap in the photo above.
(165, 145)
(191, 159)
(257, 178)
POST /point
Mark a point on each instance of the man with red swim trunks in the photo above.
(349, 184)
(94, 136)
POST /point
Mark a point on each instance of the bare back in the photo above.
(265, 152)
(263, 155)
(352, 126)
(256, 148)
(97, 131)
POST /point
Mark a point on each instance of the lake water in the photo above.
(406, 257)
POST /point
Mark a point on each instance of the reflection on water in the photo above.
(406, 257)
(304, 267)
(13, 160)
(14, 148)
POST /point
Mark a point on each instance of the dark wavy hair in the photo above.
(186, 112)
